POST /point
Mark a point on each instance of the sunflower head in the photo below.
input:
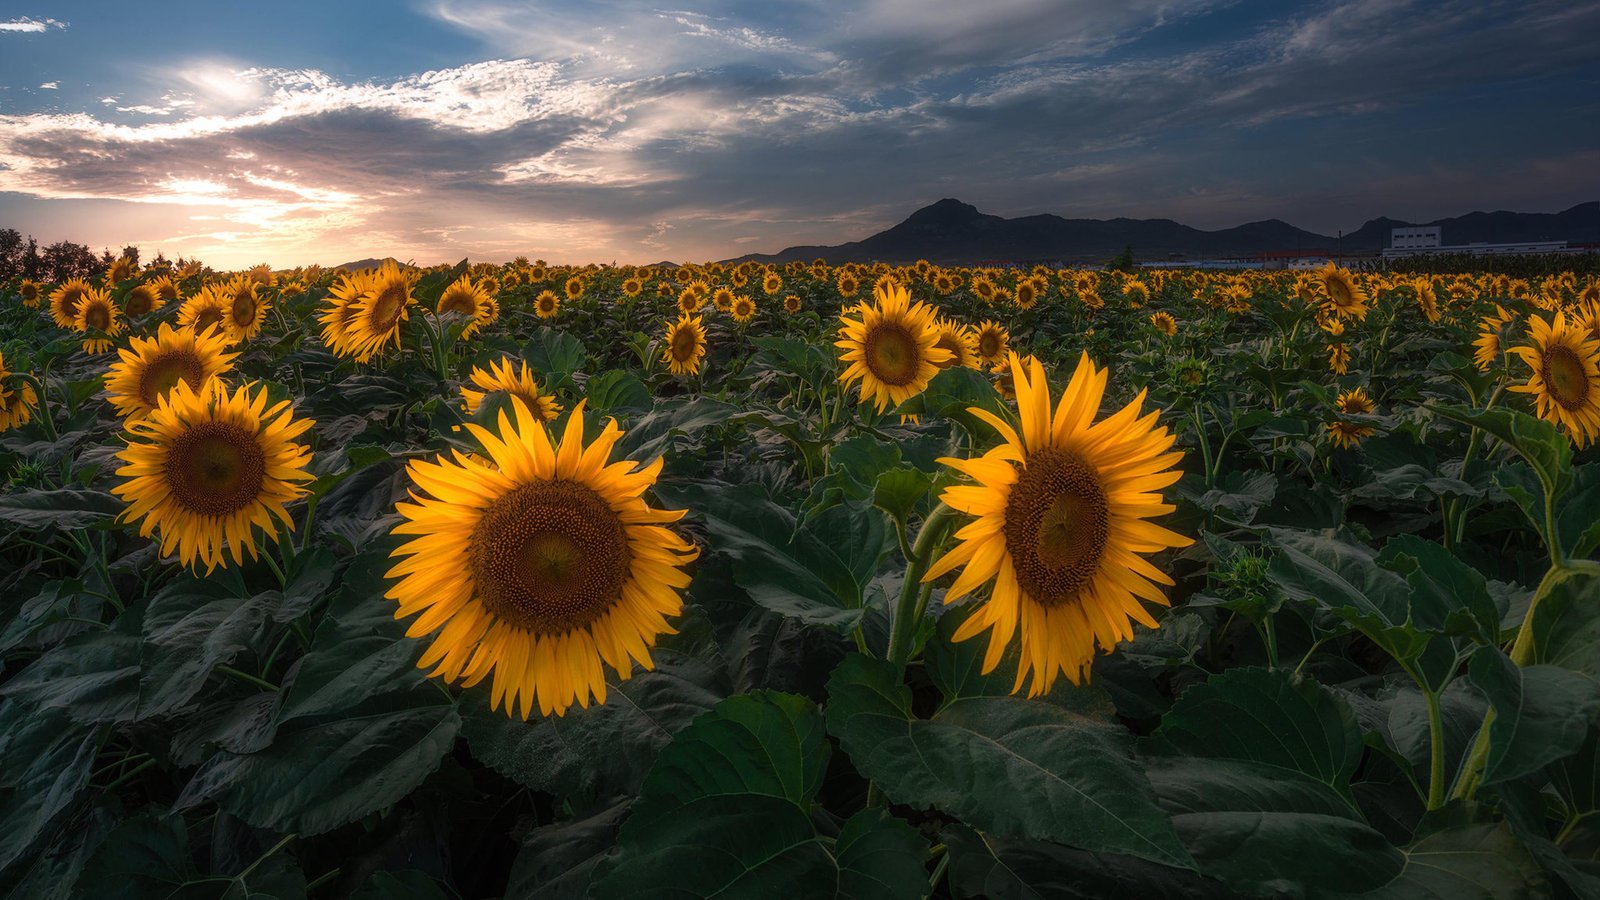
(722, 298)
(121, 270)
(1344, 296)
(1164, 323)
(465, 297)
(99, 319)
(539, 563)
(207, 469)
(1060, 526)
(1354, 402)
(993, 342)
(743, 309)
(1339, 358)
(518, 383)
(206, 311)
(892, 349)
(632, 287)
(960, 341)
(149, 368)
(1565, 376)
(792, 303)
(772, 283)
(28, 290)
(685, 345)
(64, 301)
(141, 299)
(247, 308)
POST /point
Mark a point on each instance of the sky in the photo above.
(612, 131)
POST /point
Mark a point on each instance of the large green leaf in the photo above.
(1345, 578)
(727, 812)
(557, 861)
(149, 856)
(93, 676)
(1013, 767)
(1483, 861)
(554, 354)
(1542, 712)
(1271, 717)
(1446, 595)
(984, 866)
(1535, 440)
(1566, 626)
(60, 508)
(192, 626)
(44, 764)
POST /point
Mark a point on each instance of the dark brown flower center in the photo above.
(893, 354)
(164, 372)
(684, 343)
(1340, 292)
(97, 316)
(550, 556)
(139, 300)
(989, 343)
(1564, 377)
(458, 302)
(1056, 526)
(244, 307)
(388, 306)
(215, 468)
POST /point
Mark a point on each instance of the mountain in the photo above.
(955, 233)
(361, 264)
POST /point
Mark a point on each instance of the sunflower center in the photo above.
(138, 302)
(1340, 292)
(989, 344)
(244, 308)
(1564, 377)
(1057, 524)
(550, 556)
(684, 344)
(208, 317)
(457, 303)
(97, 316)
(390, 304)
(948, 341)
(215, 468)
(164, 373)
(893, 355)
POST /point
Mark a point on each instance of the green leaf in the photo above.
(727, 812)
(94, 677)
(1345, 578)
(554, 354)
(1270, 830)
(604, 751)
(1238, 497)
(817, 573)
(148, 856)
(1471, 862)
(1013, 767)
(951, 393)
(1542, 712)
(1447, 595)
(44, 765)
(617, 393)
(900, 492)
(1535, 440)
(1271, 717)
(192, 626)
(405, 884)
(1566, 626)
(984, 866)
(59, 508)
(557, 861)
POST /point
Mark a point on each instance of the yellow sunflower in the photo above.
(772, 283)
(1027, 294)
(574, 288)
(465, 297)
(632, 287)
(207, 310)
(685, 345)
(1427, 300)
(847, 283)
(1349, 434)
(541, 565)
(166, 290)
(1565, 381)
(28, 290)
(960, 341)
(690, 301)
(121, 270)
(1164, 323)
(150, 367)
(207, 468)
(247, 308)
(892, 349)
(1136, 292)
(1060, 527)
(16, 403)
(994, 342)
(546, 305)
(1338, 359)
(518, 384)
(792, 303)
(1486, 349)
(375, 323)
(338, 315)
(64, 301)
(722, 298)
(743, 309)
(141, 299)
(98, 318)
(1345, 297)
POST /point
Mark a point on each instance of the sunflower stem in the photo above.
(247, 677)
(903, 628)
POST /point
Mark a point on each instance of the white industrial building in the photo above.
(1415, 240)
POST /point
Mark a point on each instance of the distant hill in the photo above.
(955, 233)
(360, 264)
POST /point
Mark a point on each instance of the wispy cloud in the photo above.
(27, 25)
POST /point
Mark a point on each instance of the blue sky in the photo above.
(634, 132)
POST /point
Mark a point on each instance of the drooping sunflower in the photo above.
(387, 301)
(207, 468)
(148, 368)
(743, 309)
(1351, 402)
(1060, 527)
(468, 298)
(1345, 298)
(892, 349)
(64, 301)
(98, 318)
(1427, 300)
(960, 340)
(540, 566)
(336, 317)
(1164, 323)
(141, 299)
(207, 310)
(1486, 348)
(1338, 358)
(28, 290)
(685, 345)
(994, 342)
(1136, 292)
(1565, 381)
(546, 305)
(16, 400)
(518, 383)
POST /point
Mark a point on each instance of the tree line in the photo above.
(23, 258)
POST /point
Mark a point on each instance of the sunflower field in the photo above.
(799, 580)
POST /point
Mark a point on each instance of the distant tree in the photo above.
(64, 259)
(161, 261)
(32, 266)
(131, 252)
(11, 253)
(1122, 262)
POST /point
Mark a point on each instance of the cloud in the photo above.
(50, 86)
(27, 25)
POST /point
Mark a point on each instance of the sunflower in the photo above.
(337, 317)
(983, 288)
(207, 468)
(994, 342)
(1136, 292)
(519, 384)
(64, 301)
(772, 283)
(541, 565)
(141, 299)
(150, 367)
(1059, 527)
(892, 349)
(960, 341)
(685, 345)
(1427, 300)
(98, 318)
(28, 290)
(945, 283)
(574, 287)
(291, 289)
(1486, 349)
(792, 303)
(1345, 297)
(690, 301)
(205, 311)
(1164, 323)
(743, 309)
(1565, 380)
(632, 287)
(847, 283)
(547, 304)
(1027, 294)
(1349, 434)
(375, 322)
(467, 298)
(722, 298)
(166, 290)
(16, 404)
(1338, 359)
(121, 271)
(247, 309)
